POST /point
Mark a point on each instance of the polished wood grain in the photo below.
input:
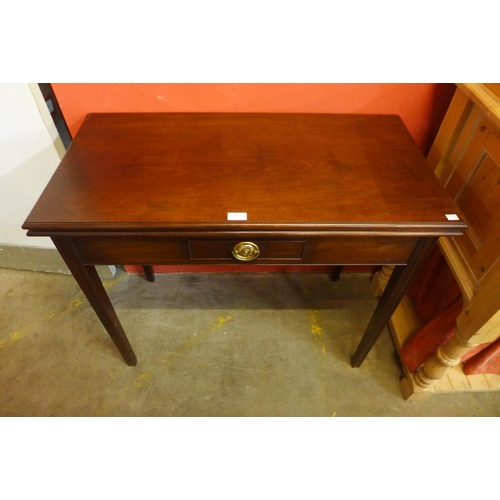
(145, 188)
(187, 249)
(91, 286)
(398, 284)
(164, 171)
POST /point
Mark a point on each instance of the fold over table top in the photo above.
(190, 171)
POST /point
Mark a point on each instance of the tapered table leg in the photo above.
(397, 286)
(336, 272)
(91, 285)
(148, 271)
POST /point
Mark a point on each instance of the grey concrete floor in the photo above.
(208, 345)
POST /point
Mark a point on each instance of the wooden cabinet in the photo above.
(465, 157)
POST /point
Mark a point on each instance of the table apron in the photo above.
(171, 250)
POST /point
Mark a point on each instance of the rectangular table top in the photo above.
(201, 171)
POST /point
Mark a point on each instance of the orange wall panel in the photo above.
(421, 105)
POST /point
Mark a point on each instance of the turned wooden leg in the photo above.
(438, 364)
(380, 280)
(91, 285)
(478, 323)
(336, 272)
(149, 273)
(399, 282)
(419, 385)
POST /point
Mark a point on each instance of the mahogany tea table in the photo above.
(233, 188)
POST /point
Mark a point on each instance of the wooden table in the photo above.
(275, 189)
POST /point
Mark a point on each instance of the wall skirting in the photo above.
(45, 260)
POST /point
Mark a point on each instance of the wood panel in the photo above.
(475, 186)
(284, 171)
(169, 250)
(466, 159)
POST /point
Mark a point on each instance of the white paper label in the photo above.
(236, 216)
(452, 217)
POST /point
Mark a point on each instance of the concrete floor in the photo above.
(208, 345)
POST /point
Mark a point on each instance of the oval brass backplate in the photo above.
(246, 251)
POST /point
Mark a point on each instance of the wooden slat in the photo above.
(477, 382)
(485, 99)
(404, 323)
(416, 323)
(448, 133)
(457, 378)
(443, 385)
(458, 267)
(494, 87)
(457, 382)
(493, 381)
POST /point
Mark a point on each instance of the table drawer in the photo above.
(266, 250)
(371, 250)
(131, 250)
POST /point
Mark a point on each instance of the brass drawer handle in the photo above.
(246, 251)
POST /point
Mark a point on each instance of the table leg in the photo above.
(91, 285)
(336, 272)
(148, 271)
(397, 286)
